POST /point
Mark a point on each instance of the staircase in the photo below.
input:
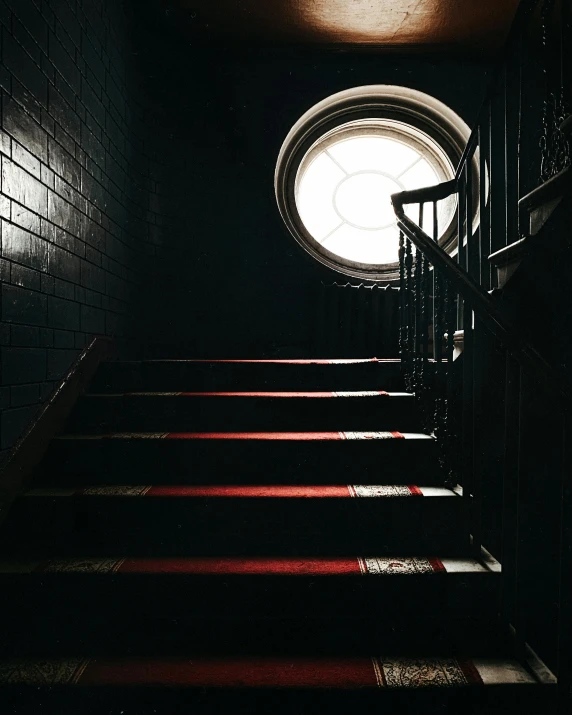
(249, 536)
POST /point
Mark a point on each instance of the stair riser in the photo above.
(73, 598)
(385, 461)
(108, 636)
(188, 376)
(97, 414)
(163, 526)
(152, 699)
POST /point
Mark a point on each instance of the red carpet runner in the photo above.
(349, 673)
(277, 491)
(262, 566)
(269, 436)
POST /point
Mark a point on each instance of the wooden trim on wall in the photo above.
(30, 448)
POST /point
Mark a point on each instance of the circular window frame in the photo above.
(409, 112)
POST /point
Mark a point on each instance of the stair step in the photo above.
(238, 520)
(425, 683)
(229, 411)
(257, 672)
(256, 456)
(181, 587)
(193, 375)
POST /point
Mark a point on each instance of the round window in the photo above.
(345, 157)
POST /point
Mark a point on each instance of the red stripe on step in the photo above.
(279, 491)
(342, 361)
(258, 394)
(295, 436)
(242, 566)
(236, 673)
(308, 395)
(270, 436)
(415, 490)
(436, 564)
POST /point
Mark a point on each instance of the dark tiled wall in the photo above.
(79, 207)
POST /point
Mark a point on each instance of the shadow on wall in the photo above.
(230, 280)
(79, 204)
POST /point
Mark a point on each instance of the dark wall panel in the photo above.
(230, 280)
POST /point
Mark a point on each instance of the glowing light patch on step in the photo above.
(300, 361)
(400, 566)
(371, 435)
(384, 490)
(427, 672)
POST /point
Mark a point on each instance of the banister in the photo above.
(481, 302)
(497, 477)
(550, 190)
(425, 194)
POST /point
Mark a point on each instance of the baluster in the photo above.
(402, 299)
(424, 325)
(417, 319)
(419, 307)
(449, 441)
(477, 403)
(438, 329)
(467, 402)
(460, 234)
(424, 340)
(470, 253)
(409, 315)
(437, 340)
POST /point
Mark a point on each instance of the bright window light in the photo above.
(344, 186)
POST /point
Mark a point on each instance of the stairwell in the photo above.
(250, 536)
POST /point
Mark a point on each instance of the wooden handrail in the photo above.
(484, 305)
(548, 191)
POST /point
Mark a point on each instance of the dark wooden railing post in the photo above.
(461, 214)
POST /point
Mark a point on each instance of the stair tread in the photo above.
(254, 436)
(272, 394)
(253, 566)
(270, 672)
(278, 491)
(266, 361)
(188, 589)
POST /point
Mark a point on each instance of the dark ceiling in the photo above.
(467, 25)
